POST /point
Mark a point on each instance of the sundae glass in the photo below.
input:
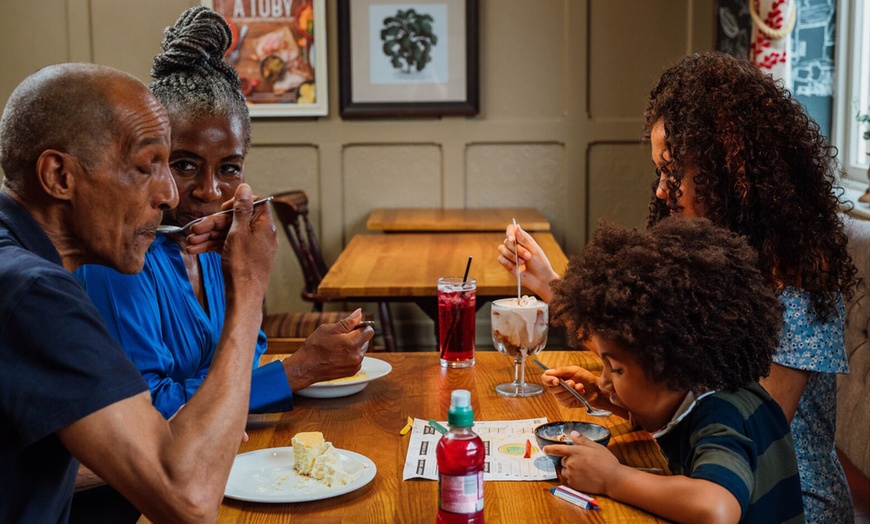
(519, 329)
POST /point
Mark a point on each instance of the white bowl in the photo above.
(372, 367)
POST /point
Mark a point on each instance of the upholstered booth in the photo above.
(853, 390)
(287, 331)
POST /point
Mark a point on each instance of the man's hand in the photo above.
(250, 245)
(332, 351)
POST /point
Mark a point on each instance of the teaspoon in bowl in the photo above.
(595, 412)
(169, 230)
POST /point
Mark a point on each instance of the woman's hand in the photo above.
(332, 351)
(536, 272)
(210, 233)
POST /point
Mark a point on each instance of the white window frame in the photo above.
(852, 90)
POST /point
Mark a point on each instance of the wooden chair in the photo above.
(291, 209)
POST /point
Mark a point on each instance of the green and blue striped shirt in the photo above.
(741, 441)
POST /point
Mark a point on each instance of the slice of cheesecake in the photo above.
(318, 459)
(328, 468)
(307, 446)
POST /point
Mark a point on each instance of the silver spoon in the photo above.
(595, 412)
(517, 261)
(169, 230)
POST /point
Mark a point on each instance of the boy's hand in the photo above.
(582, 380)
(586, 466)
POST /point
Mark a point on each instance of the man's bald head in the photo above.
(67, 107)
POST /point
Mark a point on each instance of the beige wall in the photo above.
(562, 85)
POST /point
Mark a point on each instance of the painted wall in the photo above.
(563, 87)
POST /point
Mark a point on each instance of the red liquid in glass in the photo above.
(456, 313)
(460, 453)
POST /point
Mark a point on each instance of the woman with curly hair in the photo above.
(732, 145)
(685, 324)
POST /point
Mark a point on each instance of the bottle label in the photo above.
(460, 493)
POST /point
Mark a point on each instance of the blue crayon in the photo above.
(575, 497)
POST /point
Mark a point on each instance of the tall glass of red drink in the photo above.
(456, 315)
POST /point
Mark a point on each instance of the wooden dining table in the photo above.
(403, 220)
(369, 423)
(406, 267)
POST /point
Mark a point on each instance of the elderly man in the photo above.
(84, 151)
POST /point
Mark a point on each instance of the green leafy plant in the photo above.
(408, 40)
(864, 119)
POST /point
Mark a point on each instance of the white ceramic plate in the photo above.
(267, 475)
(371, 367)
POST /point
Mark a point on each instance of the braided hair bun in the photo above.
(190, 76)
(197, 41)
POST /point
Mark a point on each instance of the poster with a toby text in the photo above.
(279, 50)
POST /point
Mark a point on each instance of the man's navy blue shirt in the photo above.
(58, 364)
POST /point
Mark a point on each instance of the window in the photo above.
(853, 79)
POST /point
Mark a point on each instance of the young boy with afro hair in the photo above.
(685, 326)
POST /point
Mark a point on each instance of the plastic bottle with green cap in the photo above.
(460, 455)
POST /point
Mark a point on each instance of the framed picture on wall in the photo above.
(279, 51)
(408, 58)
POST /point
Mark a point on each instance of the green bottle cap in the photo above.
(460, 413)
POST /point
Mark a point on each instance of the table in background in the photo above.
(407, 266)
(440, 220)
(369, 423)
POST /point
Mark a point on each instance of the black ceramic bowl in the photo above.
(550, 433)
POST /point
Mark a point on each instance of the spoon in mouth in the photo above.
(595, 412)
(169, 230)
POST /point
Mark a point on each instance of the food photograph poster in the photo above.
(279, 51)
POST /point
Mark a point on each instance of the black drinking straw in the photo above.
(458, 306)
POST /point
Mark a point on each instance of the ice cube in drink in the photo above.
(456, 318)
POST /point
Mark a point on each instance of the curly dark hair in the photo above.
(190, 75)
(764, 170)
(685, 298)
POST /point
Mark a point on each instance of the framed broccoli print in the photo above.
(400, 58)
(279, 50)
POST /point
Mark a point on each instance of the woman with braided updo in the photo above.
(170, 316)
(191, 79)
(732, 145)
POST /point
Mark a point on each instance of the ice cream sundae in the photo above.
(519, 325)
